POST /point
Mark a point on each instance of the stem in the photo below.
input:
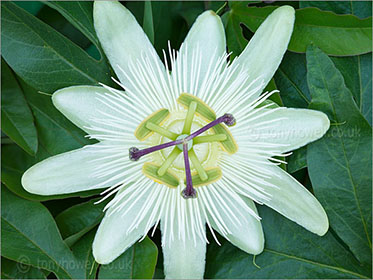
(189, 191)
(228, 119)
(136, 154)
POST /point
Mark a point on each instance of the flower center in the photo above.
(175, 138)
(189, 143)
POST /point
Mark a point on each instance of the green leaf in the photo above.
(297, 160)
(290, 252)
(33, 7)
(56, 133)
(137, 262)
(79, 219)
(340, 164)
(335, 34)
(82, 250)
(16, 117)
(168, 22)
(357, 73)
(14, 162)
(365, 71)
(236, 41)
(276, 96)
(357, 70)
(361, 9)
(148, 21)
(34, 240)
(15, 270)
(290, 81)
(43, 57)
(79, 14)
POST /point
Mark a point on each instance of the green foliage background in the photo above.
(328, 67)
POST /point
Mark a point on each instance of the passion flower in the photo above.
(188, 142)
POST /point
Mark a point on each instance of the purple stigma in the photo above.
(229, 120)
(189, 191)
(132, 154)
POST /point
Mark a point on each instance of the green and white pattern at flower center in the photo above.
(207, 153)
(192, 132)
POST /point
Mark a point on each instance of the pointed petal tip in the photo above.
(324, 123)
(263, 54)
(101, 255)
(323, 225)
(208, 13)
(286, 9)
(284, 12)
(58, 97)
(102, 10)
(27, 182)
(323, 230)
(62, 97)
(209, 19)
(255, 248)
(116, 232)
(253, 244)
(106, 250)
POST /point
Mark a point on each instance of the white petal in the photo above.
(205, 43)
(69, 172)
(286, 127)
(121, 37)
(239, 216)
(116, 232)
(183, 259)
(264, 52)
(85, 105)
(294, 201)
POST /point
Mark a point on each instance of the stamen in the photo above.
(189, 118)
(189, 191)
(169, 160)
(150, 170)
(185, 99)
(135, 154)
(197, 165)
(141, 132)
(229, 145)
(162, 131)
(228, 119)
(209, 138)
